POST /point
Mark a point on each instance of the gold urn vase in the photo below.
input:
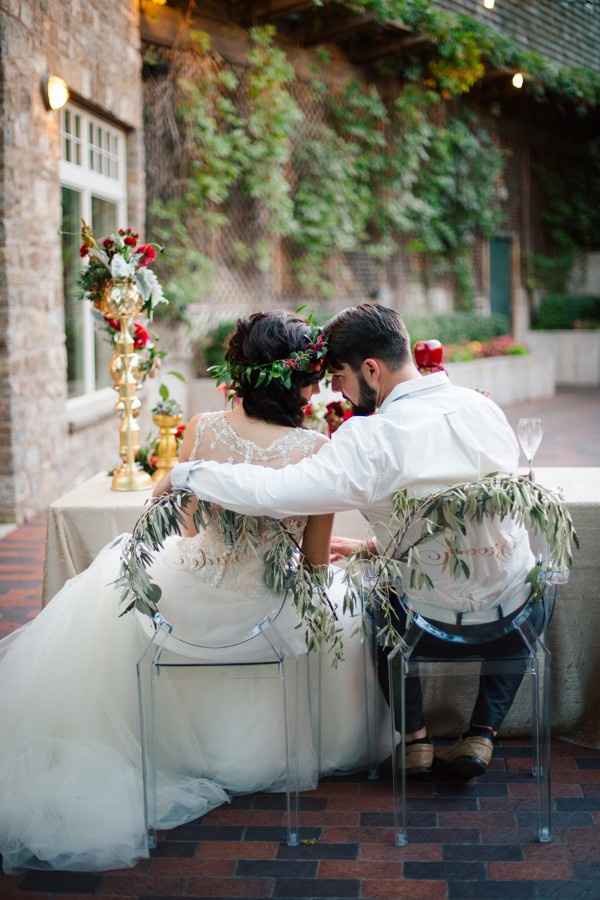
(166, 451)
(122, 300)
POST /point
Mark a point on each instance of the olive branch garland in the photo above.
(286, 572)
(444, 512)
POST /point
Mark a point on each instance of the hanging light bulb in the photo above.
(518, 80)
(489, 4)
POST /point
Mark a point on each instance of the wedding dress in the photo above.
(70, 756)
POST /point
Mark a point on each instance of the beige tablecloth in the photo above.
(91, 515)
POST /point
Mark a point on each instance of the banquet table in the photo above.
(86, 518)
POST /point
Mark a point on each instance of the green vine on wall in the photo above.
(464, 44)
(374, 176)
(229, 148)
(394, 177)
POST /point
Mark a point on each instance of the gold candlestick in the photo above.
(122, 300)
(167, 444)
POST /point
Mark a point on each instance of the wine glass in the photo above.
(530, 433)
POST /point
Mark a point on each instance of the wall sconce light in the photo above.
(489, 4)
(54, 91)
(518, 80)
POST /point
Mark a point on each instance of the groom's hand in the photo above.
(164, 486)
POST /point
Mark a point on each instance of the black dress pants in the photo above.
(497, 690)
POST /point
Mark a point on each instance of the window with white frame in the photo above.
(93, 187)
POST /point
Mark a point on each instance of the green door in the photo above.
(501, 275)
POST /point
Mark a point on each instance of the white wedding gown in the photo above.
(70, 756)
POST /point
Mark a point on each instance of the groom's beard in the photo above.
(367, 399)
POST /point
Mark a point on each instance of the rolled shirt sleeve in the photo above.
(343, 475)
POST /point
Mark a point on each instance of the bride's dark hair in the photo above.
(262, 338)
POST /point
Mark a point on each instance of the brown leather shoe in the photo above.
(468, 758)
(419, 758)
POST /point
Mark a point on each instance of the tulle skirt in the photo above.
(70, 755)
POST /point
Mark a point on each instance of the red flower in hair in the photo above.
(147, 255)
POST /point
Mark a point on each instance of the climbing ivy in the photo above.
(375, 175)
(464, 44)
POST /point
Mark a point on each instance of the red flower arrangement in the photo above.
(336, 413)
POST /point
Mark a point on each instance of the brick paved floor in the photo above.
(467, 843)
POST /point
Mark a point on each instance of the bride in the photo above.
(70, 755)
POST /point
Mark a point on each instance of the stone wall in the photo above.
(565, 31)
(95, 48)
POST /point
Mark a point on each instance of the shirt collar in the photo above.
(414, 386)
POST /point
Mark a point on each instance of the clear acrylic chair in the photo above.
(537, 668)
(264, 645)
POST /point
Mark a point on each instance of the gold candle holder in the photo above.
(122, 300)
(167, 444)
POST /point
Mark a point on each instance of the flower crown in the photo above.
(261, 374)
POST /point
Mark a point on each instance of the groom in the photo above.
(428, 435)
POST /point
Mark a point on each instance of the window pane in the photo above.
(104, 220)
(74, 308)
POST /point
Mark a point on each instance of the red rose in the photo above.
(130, 240)
(107, 243)
(348, 413)
(113, 323)
(308, 410)
(180, 432)
(153, 461)
(84, 250)
(141, 336)
(122, 231)
(147, 255)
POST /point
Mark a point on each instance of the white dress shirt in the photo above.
(428, 434)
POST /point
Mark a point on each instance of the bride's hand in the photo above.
(343, 547)
(163, 486)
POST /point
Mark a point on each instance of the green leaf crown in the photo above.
(309, 360)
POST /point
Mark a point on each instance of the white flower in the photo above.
(120, 268)
(149, 287)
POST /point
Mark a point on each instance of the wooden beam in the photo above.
(334, 31)
(393, 47)
(268, 10)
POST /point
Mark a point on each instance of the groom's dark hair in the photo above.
(359, 332)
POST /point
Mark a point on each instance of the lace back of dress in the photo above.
(217, 440)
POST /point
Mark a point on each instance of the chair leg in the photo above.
(545, 783)
(369, 647)
(289, 686)
(145, 680)
(405, 649)
(541, 697)
(399, 797)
